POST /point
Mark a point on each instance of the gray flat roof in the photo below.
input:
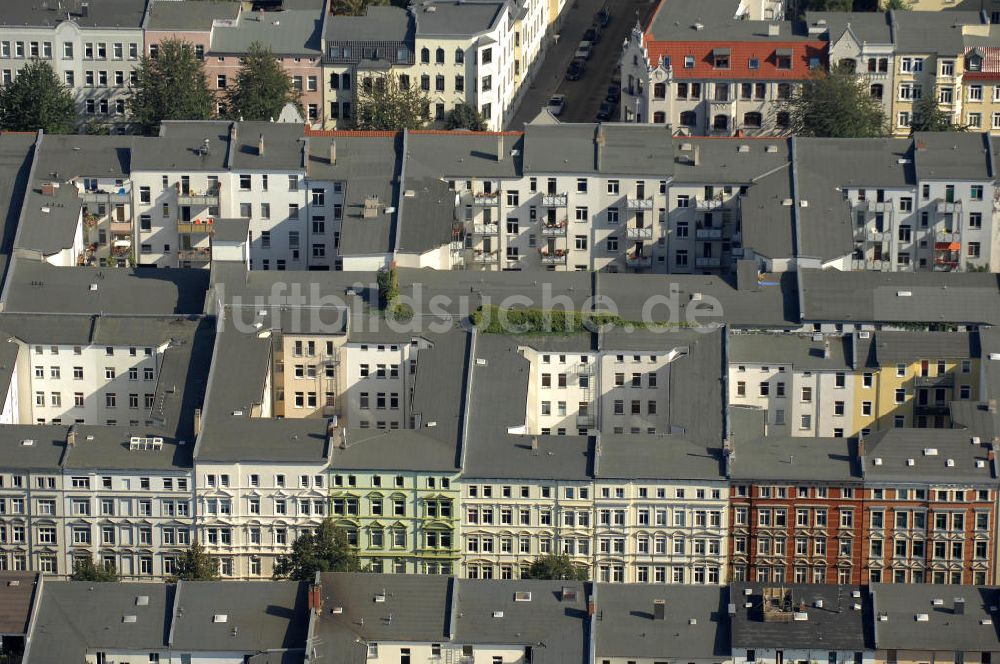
(944, 629)
(631, 456)
(768, 225)
(867, 27)
(868, 297)
(726, 162)
(50, 220)
(931, 32)
(67, 627)
(37, 286)
(100, 13)
(45, 451)
(181, 147)
(383, 24)
(286, 32)
(836, 624)
(889, 347)
(675, 21)
(259, 616)
(627, 628)
(16, 156)
(17, 589)
(282, 146)
(456, 19)
(949, 155)
(189, 15)
(629, 149)
(930, 450)
(833, 353)
(796, 458)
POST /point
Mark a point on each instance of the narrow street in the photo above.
(583, 97)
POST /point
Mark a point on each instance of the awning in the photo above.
(947, 246)
(783, 51)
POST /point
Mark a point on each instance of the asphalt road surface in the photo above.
(583, 97)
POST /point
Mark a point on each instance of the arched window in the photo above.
(752, 119)
(660, 117)
(876, 90)
(659, 90)
(425, 82)
(439, 56)
(720, 122)
(689, 118)
(425, 55)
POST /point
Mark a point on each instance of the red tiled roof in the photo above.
(349, 133)
(765, 52)
(991, 63)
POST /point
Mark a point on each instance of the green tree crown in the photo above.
(37, 99)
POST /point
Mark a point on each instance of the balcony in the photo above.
(556, 257)
(948, 206)
(121, 227)
(635, 233)
(584, 421)
(192, 197)
(879, 206)
(948, 236)
(707, 203)
(486, 229)
(708, 233)
(638, 262)
(869, 264)
(554, 229)
(118, 197)
(555, 200)
(936, 408)
(878, 236)
(196, 226)
(944, 380)
(486, 199)
(707, 261)
(195, 254)
(486, 257)
(639, 203)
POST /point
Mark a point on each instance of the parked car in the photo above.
(605, 112)
(584, 50)
(556, 104)
(603, 17)
(576, 70)
(614, 94)
(593, 34)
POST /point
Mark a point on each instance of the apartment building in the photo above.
(94, 48)
(930, 509)
(981, 84)
(481, 53)
(711, 71)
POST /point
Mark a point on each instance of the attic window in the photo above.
(27, 442)
(754, 63)
(522, 596)
(128, 619)
(142, 600)
(783, 58)
(720, 58)
(220, 618)
(688, 62)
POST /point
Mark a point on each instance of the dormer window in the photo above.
(754, 63)
(783, 58)
(720, 58)
(974, 63)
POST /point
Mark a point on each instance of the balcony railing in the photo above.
(878, 236)
(486, 257)
(877, 265)
(879, 206)
(196, 226)
(946, 206)
(708, 233)
(121, 227)
(486, 229)
(707, 203)
(555, 200)
(935, 408)
(194, 254)
(585, 421)
(639, 203)
(639, 262)
(948, 236)
(707, 261)
(944, 380)
(558, 257)
(634, 233)
(106, 197)
(557, 229)
(192, 197)
(486, 199)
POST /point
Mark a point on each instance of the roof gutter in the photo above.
(36, 601)
(174, 615)
(470, 362)
(20, 222)
(400, 184)
(220, 321)
(452, 607)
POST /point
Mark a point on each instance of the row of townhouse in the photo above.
(577, 197)
(485, 52)
(718, 74)
(345, 617)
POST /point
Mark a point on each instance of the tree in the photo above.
(556, 566)
(195, 565)
(327, 551)
(464, 116)
(928, 116)
(262, 87)
(170, 86)
(37, 99)
(359, 7)
(85, 569)
(836, 104)
(384, 105)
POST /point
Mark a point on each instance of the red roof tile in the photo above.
(765, 52)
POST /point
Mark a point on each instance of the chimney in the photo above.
(591, 608)
(260, 145)
(333, 153)
(697, 154)
(773, 29)
(826, 349)
(85, 9)
(534, 442)
(316, 598)
(659, 609)
(599, 147)
(499, 146)
(861, 446)
(197, 421)
(959, 606)
(71, 436)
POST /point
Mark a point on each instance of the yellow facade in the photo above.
(305, 375)
(931, 74)
(927, 386)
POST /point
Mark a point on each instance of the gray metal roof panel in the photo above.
(189, 15)
(951, 155)
(800, 351)
(99, 14)
(944, 629)
(45, 451)
(931, 32)
(628, 149)
(796, 458)
(290, 32)
(457, 18)
(630, 456)
(893, 448)
(380, 24)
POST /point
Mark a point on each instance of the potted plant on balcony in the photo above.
(90, 219)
